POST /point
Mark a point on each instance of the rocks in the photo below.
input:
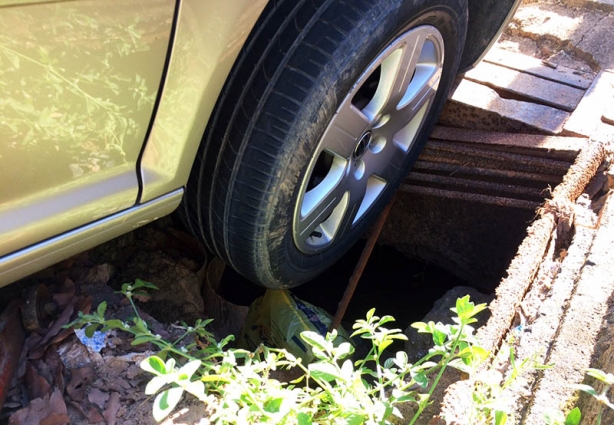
(418, 344)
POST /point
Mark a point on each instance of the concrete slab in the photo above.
(528, 86)
(587, 116)
(583, 33)
(571, 354)
(603, 5)
(536, 67)
(479, 107)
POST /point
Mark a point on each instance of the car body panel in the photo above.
(44, 254)
(93, 194)
(78, 83)
(208, 39)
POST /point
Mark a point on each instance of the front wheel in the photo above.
(323, 115)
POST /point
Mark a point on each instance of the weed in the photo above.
(331, 390)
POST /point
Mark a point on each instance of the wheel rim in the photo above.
(366, 142)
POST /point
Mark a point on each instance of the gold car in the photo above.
(280, 129)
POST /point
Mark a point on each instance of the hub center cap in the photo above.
(363, 144)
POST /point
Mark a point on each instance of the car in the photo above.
(278, 129)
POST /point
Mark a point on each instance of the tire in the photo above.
(310, 138)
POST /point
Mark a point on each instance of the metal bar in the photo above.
(451, 169)
(544, 164)
(468, 185)
(471, 197)
(360, 266)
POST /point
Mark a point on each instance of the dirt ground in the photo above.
(62, 380)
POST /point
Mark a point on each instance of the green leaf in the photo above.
(421, 327)
(314, 339)
(587, 389)
(385, 320)
(421, 379)
(140, 325)
(113, 324)
(500, 417)
(187, 370)
(142, 339)
(607, 378)
(165, 402)
(406, 398)
(439, 337)
(304, 419)
(138, 283)
(344, 349)
(370, 313)
(196, 388)
(324, 371)
(273, 405)
(155, 384)
(355, 419)
(102, 307)
(89, 331)
(154, 365)
(573, 417)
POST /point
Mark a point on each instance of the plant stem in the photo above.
(447, 360)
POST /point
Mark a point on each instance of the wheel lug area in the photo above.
(378, 143)
(381, 121)
(358, 169)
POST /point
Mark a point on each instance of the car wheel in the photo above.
(324, 112)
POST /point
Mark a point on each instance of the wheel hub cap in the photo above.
(363, 144)
(366, 143)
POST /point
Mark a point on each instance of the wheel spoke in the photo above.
(318, 204)
(405, 68)
(384, 164)
(348, 124)
(396, 74)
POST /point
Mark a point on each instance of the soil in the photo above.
(60, 379)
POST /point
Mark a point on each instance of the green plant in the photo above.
(333, 389)
(558, 418)
(608, 380)
(489, 401)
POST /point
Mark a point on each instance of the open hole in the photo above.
(320, 170)
(365, 93)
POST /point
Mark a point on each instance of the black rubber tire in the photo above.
(298, 64)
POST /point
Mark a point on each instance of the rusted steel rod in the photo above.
(468, 185)
(471, 197)
(360, 266)
(468, 160)
(451, 169)
(456, 149)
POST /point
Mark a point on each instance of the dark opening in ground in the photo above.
(393, 284)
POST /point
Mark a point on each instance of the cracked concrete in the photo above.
(576, 37)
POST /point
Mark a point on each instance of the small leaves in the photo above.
(325, 371)
(466, 310)
(500, 417)
(574, 417)
(165, 402)
(102, 307)
(154, 364)
(337, 391)
(606, 378)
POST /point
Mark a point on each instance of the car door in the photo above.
(78, 85)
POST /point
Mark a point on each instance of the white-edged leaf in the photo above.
(155, 384)
(187, 370)
(153, 364)
(165, 402)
